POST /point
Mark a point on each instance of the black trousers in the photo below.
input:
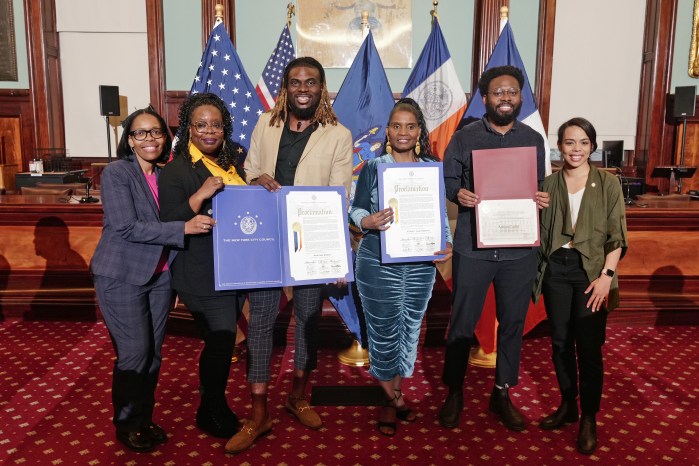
(216, 318)
(513, 281)
(575, 330)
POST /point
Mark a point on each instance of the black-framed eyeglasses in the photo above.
(202, 127)
(512, 92)
(140, 134)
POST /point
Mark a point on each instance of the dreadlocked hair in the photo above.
(409, 105)
(226, 156)
(324, 113)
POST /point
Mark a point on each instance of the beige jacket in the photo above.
(326, 160)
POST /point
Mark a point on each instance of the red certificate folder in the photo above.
(506, 174)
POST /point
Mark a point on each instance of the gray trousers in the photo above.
(264, 308)
(136, 318)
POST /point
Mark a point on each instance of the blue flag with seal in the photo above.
(506, 53)
(363, 105)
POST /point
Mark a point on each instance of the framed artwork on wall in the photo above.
(331, 32)
(694, 44)
(8, 54)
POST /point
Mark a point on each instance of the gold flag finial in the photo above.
(435, 15)
(504, 12)
(365, 19)
(219, 11)
(290, 11)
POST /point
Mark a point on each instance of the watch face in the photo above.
(609, 273)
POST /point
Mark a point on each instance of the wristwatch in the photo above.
(608, 272)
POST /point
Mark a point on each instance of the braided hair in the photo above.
(409, 105)
(324, 113)
(226, 156)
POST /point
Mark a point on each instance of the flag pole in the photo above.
(478, 356)
(355, 355)
(435, 15)
(290, 11)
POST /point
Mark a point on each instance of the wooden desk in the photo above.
(7, 176)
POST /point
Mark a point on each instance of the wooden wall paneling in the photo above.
(208, 17)
(486, 30)
(44, 73)
(17, 103)
(691, 151)
(654, 135)
(156, 54)
(544, 58)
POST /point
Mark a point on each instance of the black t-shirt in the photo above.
(291, 146)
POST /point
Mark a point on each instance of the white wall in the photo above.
(101, 42)
(596, 66)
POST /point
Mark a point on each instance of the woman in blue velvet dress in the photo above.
(394, 296)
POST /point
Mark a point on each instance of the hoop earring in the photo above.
(417, 148)
(389, 149)
(133, 150)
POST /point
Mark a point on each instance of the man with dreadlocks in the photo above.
(297, 143)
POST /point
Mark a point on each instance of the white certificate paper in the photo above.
(415, 192)
(317, 238)
(507, 221)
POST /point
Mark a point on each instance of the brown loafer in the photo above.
(247, 436)
(303, 411)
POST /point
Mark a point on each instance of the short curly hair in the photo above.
(226, 157)
(495, 72)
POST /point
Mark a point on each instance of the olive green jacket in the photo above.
(600, 229)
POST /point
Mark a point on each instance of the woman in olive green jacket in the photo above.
(583, 237)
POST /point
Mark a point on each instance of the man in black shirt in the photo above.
(299, 142)
(510, 270)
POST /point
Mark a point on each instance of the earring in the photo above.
(133, 150)
(417, 148)
(389, 149)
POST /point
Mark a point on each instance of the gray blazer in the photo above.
(133, 237)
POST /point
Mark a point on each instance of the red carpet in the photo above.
(55, 406)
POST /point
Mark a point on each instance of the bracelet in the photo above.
(253, 180)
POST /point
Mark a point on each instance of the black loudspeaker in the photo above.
(109, 100)
(685, 98)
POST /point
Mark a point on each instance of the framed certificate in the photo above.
(506, 212)
(415, 192)
(296, 236)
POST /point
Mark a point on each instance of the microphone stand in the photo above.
(627, 196)
(684, 136)
(88, 199)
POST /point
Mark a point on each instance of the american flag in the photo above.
(271, 79)
(221, 72)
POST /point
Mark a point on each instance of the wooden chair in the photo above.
(72, 186)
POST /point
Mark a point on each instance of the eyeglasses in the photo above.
(202, 127)
(140, 134)
(512, 92)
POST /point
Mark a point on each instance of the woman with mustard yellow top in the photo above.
(204, 161)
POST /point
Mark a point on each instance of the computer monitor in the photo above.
(613, 153)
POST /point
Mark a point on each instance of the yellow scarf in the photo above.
(229, 177)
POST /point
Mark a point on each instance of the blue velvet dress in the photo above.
(394, 296)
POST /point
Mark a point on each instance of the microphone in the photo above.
(627, 196)
(88, 199)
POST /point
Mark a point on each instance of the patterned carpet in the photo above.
(55, 406)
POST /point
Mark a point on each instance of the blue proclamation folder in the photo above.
(254, 240)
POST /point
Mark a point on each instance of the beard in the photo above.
(303, 113)
(502, 120)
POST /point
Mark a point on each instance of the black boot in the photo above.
(587, 437)
(501, 405)
(217, 419)
(451, 410)
(567, 413)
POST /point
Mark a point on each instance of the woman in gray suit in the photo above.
(130, 271)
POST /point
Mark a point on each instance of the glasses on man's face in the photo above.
(498, 93)
(140, 134)
(204, 127)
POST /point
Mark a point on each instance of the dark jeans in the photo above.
(512, 281)
(576, 330)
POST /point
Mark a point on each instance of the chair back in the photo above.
(45, 190)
